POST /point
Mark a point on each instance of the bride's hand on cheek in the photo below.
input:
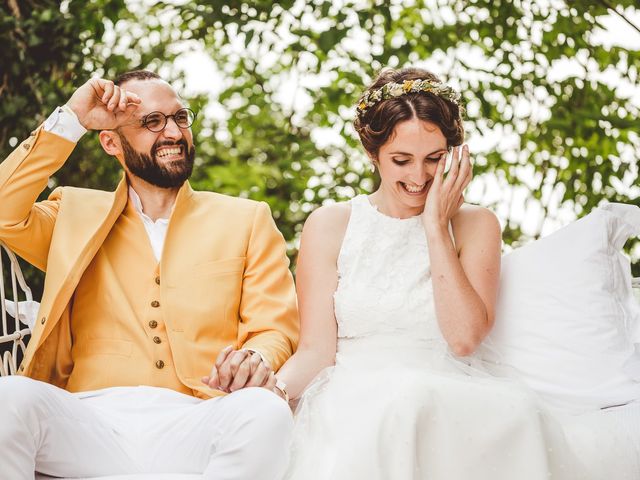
(446, 193)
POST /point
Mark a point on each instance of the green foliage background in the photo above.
(578, 137)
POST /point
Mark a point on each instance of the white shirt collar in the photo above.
(137, 205)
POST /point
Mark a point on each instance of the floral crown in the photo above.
(394, 90)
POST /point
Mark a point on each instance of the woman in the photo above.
(396, 287)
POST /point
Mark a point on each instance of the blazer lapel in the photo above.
(84, 221)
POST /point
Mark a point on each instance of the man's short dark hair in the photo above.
(136, 75)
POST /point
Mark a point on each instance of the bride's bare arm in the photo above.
(465, 277)
(316, 281)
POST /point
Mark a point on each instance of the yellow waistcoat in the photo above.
(224, 275)
(120, 336)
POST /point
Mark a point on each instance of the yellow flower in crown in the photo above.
(407, 85)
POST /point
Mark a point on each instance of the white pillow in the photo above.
(28, 311)
(566, 316)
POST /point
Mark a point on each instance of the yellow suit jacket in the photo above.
(214, 243)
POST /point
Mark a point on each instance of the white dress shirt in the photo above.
(157, 231)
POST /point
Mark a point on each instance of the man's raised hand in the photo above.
(101, 105)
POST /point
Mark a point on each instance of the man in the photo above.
(146, 287)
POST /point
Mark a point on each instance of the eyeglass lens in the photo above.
(156, 121)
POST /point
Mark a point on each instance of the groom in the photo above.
(146, 288)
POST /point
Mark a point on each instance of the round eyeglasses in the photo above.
(157, 121)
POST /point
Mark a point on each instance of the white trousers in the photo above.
(135, 430)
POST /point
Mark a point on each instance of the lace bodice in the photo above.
(384, 278)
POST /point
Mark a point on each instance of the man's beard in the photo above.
(148, 169)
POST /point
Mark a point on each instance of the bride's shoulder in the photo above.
(474, 220)
(327, 224)
(330, 216)
(469, 213)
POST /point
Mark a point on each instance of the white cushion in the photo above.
(27, 311)
(566, 315)
(606, 441)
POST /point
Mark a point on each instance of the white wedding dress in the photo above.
(397, 404)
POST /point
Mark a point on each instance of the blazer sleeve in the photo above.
(26, 226)
(269, 320)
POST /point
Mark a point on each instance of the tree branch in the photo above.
(13, 5)
(612, 8)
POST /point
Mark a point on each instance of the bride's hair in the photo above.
(378, 121)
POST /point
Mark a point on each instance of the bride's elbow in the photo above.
(467, 344)
(327, 359)
(462, 348)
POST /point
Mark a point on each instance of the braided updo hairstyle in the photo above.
(378, 123)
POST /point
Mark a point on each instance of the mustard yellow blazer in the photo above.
(242, 257)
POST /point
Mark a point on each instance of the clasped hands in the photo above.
(237, 369)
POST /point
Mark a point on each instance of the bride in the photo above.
(396, 290)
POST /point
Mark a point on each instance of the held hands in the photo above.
(101, 105)
(445, 196)
(236, 369)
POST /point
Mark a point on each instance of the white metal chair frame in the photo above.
(19, 290)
